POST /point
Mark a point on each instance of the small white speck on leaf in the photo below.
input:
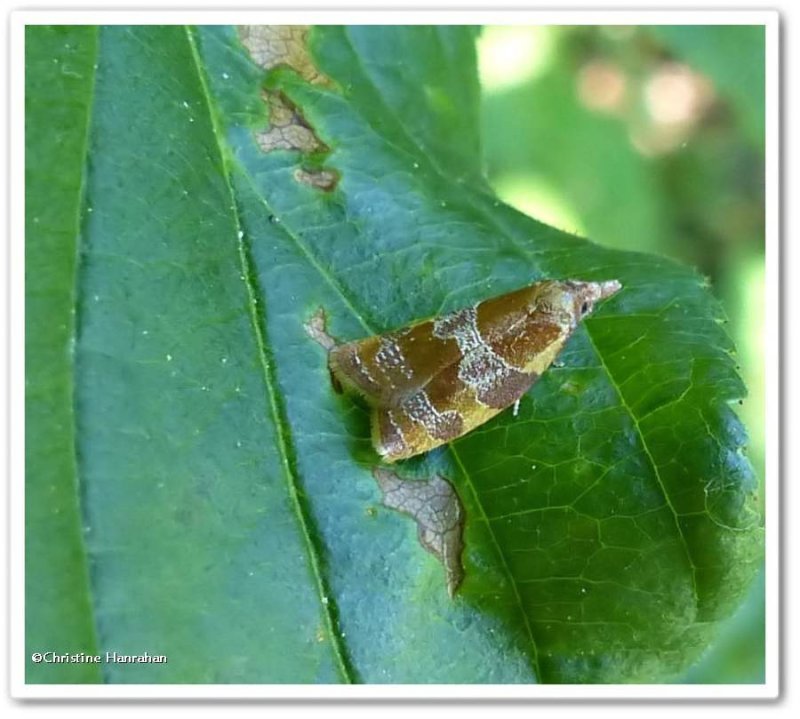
(225, 76)
(145, 332)
(169, 358)
(325, 601)
(224, 360)
(416, 166)
(185, 104)
(240, 234)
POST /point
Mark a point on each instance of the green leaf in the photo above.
(235, 523)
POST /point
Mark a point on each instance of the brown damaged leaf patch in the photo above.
(435, 506)
(288, 129)
(315, 328)
(270, 46)
(321, 179)
(273, 45)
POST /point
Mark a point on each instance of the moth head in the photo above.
(572, 300)
(586, 294)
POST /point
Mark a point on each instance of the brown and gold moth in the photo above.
(435, 380)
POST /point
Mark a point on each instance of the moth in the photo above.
(435, 380)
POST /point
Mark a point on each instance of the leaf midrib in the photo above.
(662, 487)
(282, 427)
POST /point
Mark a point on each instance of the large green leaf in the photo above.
(235, 524)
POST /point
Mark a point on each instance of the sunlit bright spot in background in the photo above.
(675, 95)
(676, 99)
(509, 55)
(537, 198)
(602, 86)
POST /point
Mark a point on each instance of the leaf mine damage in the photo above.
(272, 46)
(287, 130)
(315, 329)
(321, 179)
(435, 506)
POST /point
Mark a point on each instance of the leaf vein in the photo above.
(651, 459)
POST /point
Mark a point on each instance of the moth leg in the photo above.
(315, 328)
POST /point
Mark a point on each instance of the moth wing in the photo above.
(387, 369)
(446, 407)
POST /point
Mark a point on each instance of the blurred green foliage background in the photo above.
(649, 139)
